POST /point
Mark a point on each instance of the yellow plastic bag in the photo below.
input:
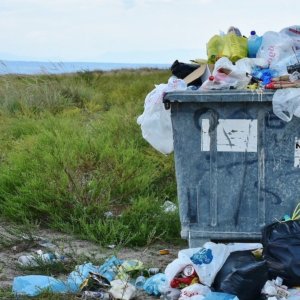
(230, 45)
(214, 48)
(235, 47)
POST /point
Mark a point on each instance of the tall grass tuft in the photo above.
(71, 152)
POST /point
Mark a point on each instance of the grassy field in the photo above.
(71, 151)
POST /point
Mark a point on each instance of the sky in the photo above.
(130, 31)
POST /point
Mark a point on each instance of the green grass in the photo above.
(71, 150)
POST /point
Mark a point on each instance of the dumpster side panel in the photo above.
(235, 168)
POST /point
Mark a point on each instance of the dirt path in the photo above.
(14, 243)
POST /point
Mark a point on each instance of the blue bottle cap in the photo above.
(253, 32)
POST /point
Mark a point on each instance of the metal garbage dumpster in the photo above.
(237, 164)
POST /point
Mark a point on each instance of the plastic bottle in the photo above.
(208, 84)
(40, 258)
(27, 261)
(254, 42)
(139, 282)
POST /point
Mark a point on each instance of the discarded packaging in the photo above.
(153, 271)
(242, 275)
(170, 294)
(275, 288)
(101, 295)
(206, 260)
(221, 296)
(156, 284)
(122, 290)
(94, 282)
(164, 251)
(139, 282)
(39, 259)
(169, 206)
(194, 291)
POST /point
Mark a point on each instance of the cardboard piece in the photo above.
(203, 71)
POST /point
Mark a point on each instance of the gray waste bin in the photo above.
(237, 164)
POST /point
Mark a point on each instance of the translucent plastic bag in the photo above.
(278, 49)
(226, 75)
(155, 121)
(286, 103)
(294, 33)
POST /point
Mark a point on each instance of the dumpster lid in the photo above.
(219, 96)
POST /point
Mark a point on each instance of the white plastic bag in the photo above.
(206, 260)
(155, 121)
(278, 49)
(195, 291)
(294, 33)
(286, 103)
(246, 64)
(227, 75)
(122, 289)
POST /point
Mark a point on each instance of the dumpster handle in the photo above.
(214, 120)
(167, 104)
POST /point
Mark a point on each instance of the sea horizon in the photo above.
(51, 67)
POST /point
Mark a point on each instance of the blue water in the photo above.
(34, 67)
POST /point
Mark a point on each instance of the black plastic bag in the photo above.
(181, 70)
(281, 243)
(242, 275)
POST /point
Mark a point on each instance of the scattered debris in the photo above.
(169, 206)
(164, 251)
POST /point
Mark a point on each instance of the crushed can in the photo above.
(188, 271)
(90, 295)
(153, 271)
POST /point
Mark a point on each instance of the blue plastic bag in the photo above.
(155, 284)
(76, 277)
(33, 285)
(220, 296)
(109, 269)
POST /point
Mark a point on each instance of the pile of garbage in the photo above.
(214, 271)
(270, 61)
(267, 63)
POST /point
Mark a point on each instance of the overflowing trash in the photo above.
(213, 271)
(267, 62)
